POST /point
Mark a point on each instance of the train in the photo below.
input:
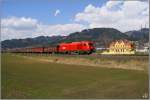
(82, 47)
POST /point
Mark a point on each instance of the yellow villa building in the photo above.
(120, 47)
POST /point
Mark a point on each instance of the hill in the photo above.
(140, 35)
(101, 37)
(37, 41)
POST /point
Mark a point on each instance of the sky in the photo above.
(32, 18)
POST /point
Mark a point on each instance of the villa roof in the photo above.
(126, 42)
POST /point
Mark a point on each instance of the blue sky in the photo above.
(32, 18)
(44, 10)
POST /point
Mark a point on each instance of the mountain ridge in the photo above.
(100, 36)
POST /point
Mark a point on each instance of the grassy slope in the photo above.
(26, 78)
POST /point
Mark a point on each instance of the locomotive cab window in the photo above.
(90, 44)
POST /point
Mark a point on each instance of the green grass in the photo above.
(31, 78)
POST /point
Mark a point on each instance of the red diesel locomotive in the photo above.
(76, 47)
(83, 47)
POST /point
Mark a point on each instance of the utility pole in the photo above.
(141, 28)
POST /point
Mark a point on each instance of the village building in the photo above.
(143, 48)
(120, 47)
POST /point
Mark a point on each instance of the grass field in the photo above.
(23, 77)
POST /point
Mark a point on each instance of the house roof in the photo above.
(126, 42)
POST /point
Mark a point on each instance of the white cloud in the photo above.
(111, 4)
(57, 12)
(15, 27)
(123, 15)
(21, 23)
(59, 29)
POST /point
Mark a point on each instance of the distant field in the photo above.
(30, 77)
